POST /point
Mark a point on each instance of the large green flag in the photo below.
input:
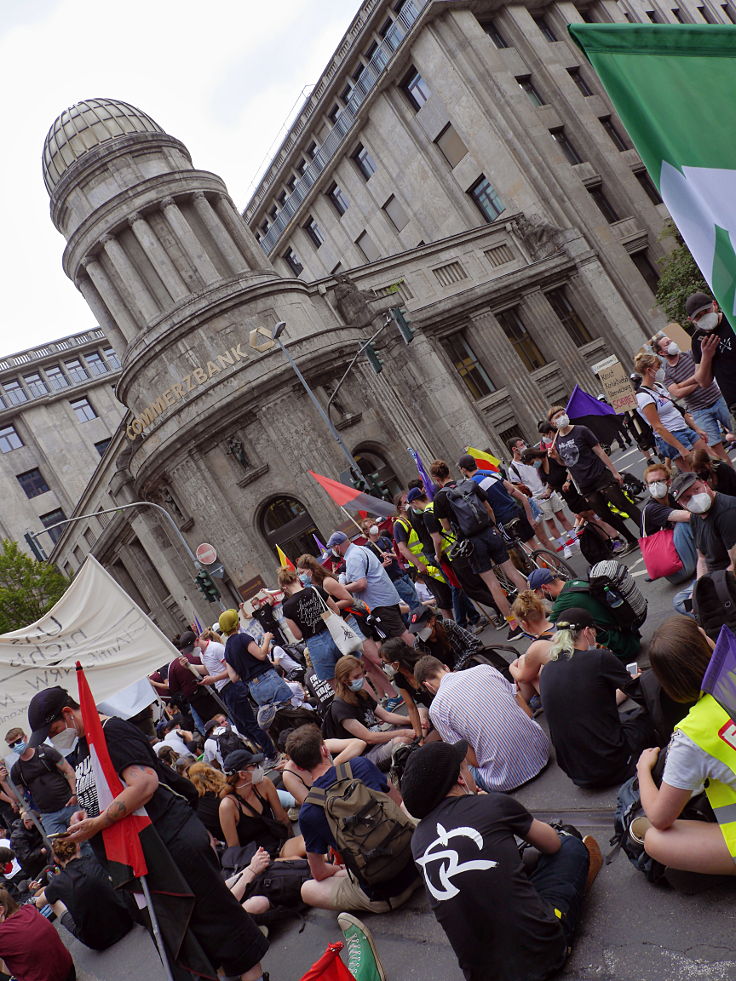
(674, 87)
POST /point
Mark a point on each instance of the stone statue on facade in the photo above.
(353, 303)
(236, 450)
(541, 237)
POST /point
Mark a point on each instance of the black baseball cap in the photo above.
(43, 709)
(420, 620)
(430, 774)
(185, 643)
(681, 483)
(467, 462)
(240, 759)
(696, 302)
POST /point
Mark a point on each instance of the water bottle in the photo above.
(613, 598)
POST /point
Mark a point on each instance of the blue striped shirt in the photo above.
(479, 705)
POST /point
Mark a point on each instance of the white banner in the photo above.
(96, 623)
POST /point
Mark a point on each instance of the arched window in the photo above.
(371, 463)
(286, 522)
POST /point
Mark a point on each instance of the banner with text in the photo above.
(96, 623)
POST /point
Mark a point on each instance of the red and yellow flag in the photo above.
(485, 461)
(284, 561)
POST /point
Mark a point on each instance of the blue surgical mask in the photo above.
(357, 684)
(538, 464)
(304, 579)
(20, 748)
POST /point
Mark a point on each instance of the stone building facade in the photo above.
(456, 158)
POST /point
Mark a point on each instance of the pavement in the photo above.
(631, 930)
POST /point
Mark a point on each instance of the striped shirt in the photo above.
(700, 398)
(479, 705)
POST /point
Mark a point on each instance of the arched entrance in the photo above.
(373, 464)
(286, 522)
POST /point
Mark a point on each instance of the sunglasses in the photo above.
(16, 742)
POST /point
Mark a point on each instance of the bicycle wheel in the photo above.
(522, 558)
(548, 560)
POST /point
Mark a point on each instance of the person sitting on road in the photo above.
(332, 886)
(660, 512)
(444, 639)
(298, 781)
(354, 714)
(699, 755)
(713, 523)
(582, 686)
(531, 613)
(211, 786)
(717, 474)
(625, 644)
(28, 844)
(29, 945)
(502, 923)
(399, 660)
(84, 900)
(507, 748)
(250, 809)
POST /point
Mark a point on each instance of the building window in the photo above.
(272, 212)
(14, 394)
(616, 136)
(83, 410)
(577, 76)
(729, 12)
(102, 445)
(35, 385)
(568, 150)
(364, 161)
(527, 86)
(489, 26)
(334, 113)
(337, 199)
(648, 186)
(57, 378)
(397, 215)
(521, 340)
(112, 359)
(451, 146)
(95, 363)
(568, 317)
(51, 519)
(488, 202)
(415, 88)
(545, 27)
(292, 261)
(301, 167)
(9, 439)
(32, 482)
(311, 151)
(313, 231)
(286, 522)
(604, 205)
(707, 15)
(76, 371)
(367, 246)
(648, 272)
(654, 16)
(468, 366)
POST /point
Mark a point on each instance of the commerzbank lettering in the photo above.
(198, 376)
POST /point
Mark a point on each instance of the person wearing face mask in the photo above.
(250, 810)
(659, 513)
(549, 501)
(382, 548)
(714, 524)
(675, 433)
(44, 772)
(721, 476)
(706, 404)
(444, 639)
(714, 346)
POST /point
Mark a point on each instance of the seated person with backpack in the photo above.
(582, 686)
(444, 639)
(526, 669)
(701, 754)
(29, 846)
(221, 738)
(374, 872)
(625, 643)
(354, 714)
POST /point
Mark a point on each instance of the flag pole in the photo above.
(351, 518)
(156, 929)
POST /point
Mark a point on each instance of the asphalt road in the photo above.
(631, 930)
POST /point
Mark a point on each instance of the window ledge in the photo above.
(348, 420)
(252, 475)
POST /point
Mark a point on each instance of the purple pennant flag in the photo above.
(318, 543)
(719, 679)
(429, 487)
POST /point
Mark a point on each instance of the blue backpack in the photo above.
(628, 808)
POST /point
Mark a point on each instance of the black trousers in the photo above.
(601, 497)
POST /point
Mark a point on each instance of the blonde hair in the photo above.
(656, 467)
(286, 577)
(563, 642)
(210, 634)
(644, 362)
(528, 606)
(343, 669)
(206, 778)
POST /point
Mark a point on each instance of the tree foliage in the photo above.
(28, 588)
(679, 277)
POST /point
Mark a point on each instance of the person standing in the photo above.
(185, 683)
(250, 662)
(382, 548)
(48, 778)
(714, 346)
(549, 501)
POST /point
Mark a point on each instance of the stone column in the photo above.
(189, 242)
(159, 257)
(219, 233)
(135, 293)
(104, 318)
(557, 341)
(129, 328)
(233, 222)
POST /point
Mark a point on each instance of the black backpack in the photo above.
(714, 602)
(469, 516)
(594, 546)
(229, 741)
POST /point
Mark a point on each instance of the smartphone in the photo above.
(57, 834)
(633, 669)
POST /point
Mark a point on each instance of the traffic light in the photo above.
(360, 485)
(35, 547)
(375, 361)
(206, 586)
(402, 323)
(377, 487)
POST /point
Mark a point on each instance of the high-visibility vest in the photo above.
(711, 728)
(416, 548)
(448, 538)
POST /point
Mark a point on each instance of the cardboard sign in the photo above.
(617, 387)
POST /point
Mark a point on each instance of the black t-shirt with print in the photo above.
(724, 361)
(576, 450)
(341, 710)
(305, 608)
(499, 926)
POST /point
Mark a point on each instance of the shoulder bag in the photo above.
(659, 552)
(345, 638)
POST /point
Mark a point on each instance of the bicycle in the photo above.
(527, 559)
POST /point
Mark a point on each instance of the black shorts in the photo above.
(488, 550)
(574, 500)
(391, 623)
(520, 527)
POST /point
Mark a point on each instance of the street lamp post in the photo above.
(354, 468)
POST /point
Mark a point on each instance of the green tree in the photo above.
(679, 277)
(28, 588)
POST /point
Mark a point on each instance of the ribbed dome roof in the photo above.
(85, 126)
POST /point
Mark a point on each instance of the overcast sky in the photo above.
(221, 76)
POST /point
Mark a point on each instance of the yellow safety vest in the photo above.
(416, 548)
(448, 539)
(710, 727)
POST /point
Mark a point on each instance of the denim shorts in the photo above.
(710, 418)
(687, 437)
(269, 687)
(324, 654)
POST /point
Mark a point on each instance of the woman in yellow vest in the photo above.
(702, 753)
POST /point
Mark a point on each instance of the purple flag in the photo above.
(322, 548)
(719, 679)
(429, 487)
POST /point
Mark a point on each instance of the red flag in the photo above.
(122, 844)
(329, 967)
(353, 499)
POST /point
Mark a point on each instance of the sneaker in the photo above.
(480, 626)
(393, 703)
(515, 633)
(567, 552)
(617, 545)
(363, 960)
(596, 859)
(535, 704)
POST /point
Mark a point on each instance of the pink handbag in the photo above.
(659, 552)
